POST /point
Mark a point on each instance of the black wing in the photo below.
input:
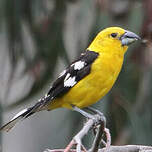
(76, 71)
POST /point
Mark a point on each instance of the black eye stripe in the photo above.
(113, 34)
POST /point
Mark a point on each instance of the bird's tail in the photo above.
(25, 113)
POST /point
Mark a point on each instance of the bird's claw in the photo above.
(97, 119)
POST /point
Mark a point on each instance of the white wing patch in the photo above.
(18, 114)
(70, 82)
(67, 77)
(78, 65)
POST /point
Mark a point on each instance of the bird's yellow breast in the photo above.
(89, 90)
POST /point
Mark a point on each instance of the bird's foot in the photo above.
(99, 116)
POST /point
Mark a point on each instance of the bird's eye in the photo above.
(114, 35)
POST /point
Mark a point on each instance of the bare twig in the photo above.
(69, 146)
(79, 136)
(98, 121)
(126, 148)
(97, 139)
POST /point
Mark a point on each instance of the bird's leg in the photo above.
(97, 118)
(84, 113)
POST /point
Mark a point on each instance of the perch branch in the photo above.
(98, 138)
(126, 148)
(99, 123)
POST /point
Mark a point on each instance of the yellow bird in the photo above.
(86, 80)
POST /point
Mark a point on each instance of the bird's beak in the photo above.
(128, 38)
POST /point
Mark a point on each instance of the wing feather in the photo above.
(75, 72)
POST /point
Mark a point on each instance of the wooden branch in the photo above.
(76, 141)
(88, 126)
(98, 122)
(126, 148)
(97, 139)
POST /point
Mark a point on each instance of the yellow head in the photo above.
(113, 39)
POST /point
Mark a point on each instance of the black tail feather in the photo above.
(39, 106)
(19, 116)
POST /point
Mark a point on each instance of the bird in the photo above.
(87, 79)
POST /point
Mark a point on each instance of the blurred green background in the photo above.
(39, 38)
